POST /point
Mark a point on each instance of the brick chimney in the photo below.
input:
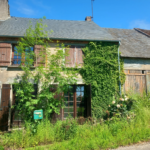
(88, 18)
(4, 10)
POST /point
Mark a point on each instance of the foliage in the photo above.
(101, 70)
(51, 75)
(104, 135)
(1, 147)
(120, 108)
(65, 129)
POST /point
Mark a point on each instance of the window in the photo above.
(75, 102)
(18, 58)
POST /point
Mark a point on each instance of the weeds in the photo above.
(71, 136)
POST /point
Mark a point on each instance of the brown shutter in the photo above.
(88, 90)
(5, 49)
(40, 60)
(70, 58)
(79, 56)
(4, 109)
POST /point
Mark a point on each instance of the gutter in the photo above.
(63, 39)
(119, 69)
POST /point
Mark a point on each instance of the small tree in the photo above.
(51, 80)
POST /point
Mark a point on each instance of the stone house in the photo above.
(74, 33)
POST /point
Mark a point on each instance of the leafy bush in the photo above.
(65, 130)
(1, 147)
(120, 108)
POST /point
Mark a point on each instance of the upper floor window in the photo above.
(22, 58)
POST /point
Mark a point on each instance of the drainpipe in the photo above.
(119, 70)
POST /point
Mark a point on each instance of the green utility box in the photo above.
(38, 114)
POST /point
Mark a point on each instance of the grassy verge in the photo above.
(68, 135)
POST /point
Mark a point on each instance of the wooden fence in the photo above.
(137, 82)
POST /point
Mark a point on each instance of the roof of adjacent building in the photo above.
(62, 29)
(143, 31)
(132, 43)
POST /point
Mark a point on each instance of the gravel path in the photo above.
(142, 146)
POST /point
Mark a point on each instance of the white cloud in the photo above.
(139, 24)
(41, 4)
(24, 8)
(26, 11)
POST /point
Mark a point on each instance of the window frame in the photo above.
(74, 94)
(17, 59)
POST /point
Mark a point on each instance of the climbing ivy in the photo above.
(101, 71)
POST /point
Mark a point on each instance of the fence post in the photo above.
(147, 83)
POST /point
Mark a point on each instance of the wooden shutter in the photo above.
(4, 110)
(70, 58)
(79, 56)
(40, 60)
(5, 49)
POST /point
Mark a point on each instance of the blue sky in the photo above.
(125, 14)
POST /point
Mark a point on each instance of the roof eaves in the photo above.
(66, 39)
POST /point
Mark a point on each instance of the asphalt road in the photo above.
(142, 146)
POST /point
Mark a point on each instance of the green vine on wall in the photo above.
(101, 70)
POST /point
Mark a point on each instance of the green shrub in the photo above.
(65, 129)
(1, 147)
(67, 134)
(120, 108)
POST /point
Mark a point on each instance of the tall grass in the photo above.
(68, 135)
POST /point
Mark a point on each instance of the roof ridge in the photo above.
(118, 29)
(49, 19)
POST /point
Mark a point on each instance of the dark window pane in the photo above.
(66, 94)
(71, 103)
(71, 98)
(65, 99)
(78, 104)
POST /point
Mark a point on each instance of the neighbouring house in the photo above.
(135, 52)
(74, 33)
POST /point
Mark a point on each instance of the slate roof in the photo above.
(143, 31)
(133, 43)
(62, 29)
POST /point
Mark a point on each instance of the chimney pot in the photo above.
(88, 18)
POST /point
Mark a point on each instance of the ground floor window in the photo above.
(76, 101)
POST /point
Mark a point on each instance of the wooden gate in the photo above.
(137, 83)
(4, 108)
